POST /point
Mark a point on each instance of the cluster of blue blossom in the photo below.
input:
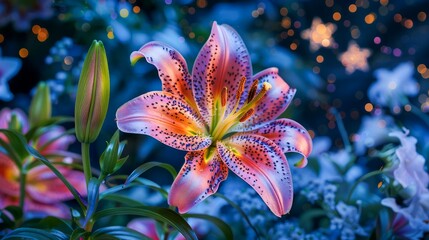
(65, 59)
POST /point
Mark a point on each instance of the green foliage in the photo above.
(164, 215)
(146, 166)
(225, 228)
(117, 233)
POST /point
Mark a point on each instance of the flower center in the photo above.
(223, 122)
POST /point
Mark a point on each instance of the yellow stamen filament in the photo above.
(252, 90)
(241, 115)
(224, 96)
(247, 115)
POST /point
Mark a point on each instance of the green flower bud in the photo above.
(15, 123)
(40, 107)
(110, 160)
(92, 98)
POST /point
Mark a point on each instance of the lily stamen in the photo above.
(241, 88)
(224, 96)
(252, 90)
(247, 115)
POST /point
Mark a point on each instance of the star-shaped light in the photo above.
(355, 58)
(320, 34)
(393, 87)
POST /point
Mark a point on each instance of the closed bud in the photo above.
(92, 98)
(110, 160)
(15, 123)
(40, 107)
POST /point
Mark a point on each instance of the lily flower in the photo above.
(224, 116)
(45, 192)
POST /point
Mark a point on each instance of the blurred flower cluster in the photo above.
(301, 119)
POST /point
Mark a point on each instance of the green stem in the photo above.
(22, 181)
(86, 162)
(342, 129)
(363, 178)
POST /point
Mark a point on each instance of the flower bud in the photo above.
(92, 98)
(15, 123)
(110, 160)
(40, 107)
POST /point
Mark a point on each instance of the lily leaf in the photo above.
(15, 147)
(54, 225)
(31, 234)
(48, 122)
(93, 194)
(136, 182)
(146, 166)
(79, 233)
(225, 228)
(16, 212)
(117, 232)
(164, 215)
(123, 199)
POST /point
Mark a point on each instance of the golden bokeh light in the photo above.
(336, 16)
(23, 52)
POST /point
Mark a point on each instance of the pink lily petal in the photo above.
(33, 207)
(145, 226)
(52, 209)
(53, 140)
(165, 117)
(262, 164)
(9, 174)
(44, 186)
(222, 62)
(172, 69)
(274, 103)
(199, 178)
(290, 136)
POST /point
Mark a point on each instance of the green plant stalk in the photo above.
(342, 129)
(22, 183)
(86, 162)
(361, 179)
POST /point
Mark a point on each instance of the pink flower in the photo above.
(409, 170)
(44, 191)
(402, 229)
(224, 116)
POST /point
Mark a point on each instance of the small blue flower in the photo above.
(393, 87)
(9, 66)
